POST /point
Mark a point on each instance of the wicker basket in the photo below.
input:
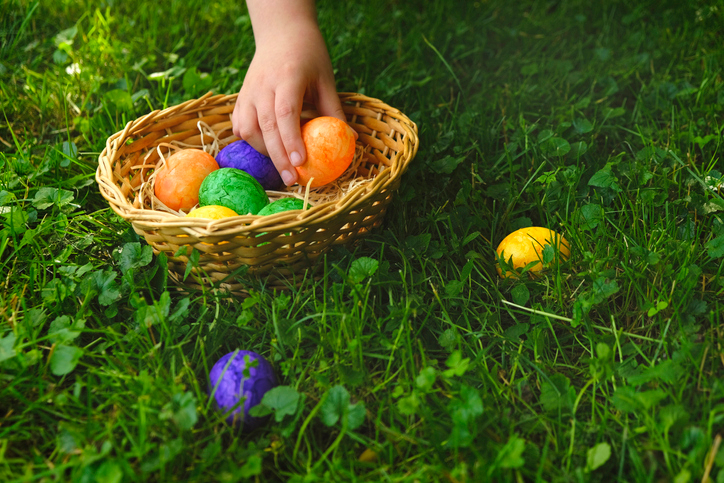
(279, 247)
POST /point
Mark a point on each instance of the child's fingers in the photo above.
(288, 107)
(269, 127)
(328, 102)
(245, 125)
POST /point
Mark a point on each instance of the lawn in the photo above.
(410, 359)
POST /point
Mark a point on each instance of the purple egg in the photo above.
(241, 155)
(248, 375)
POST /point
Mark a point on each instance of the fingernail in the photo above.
(295, 158)
(287, 177)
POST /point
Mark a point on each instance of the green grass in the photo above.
(600, 120)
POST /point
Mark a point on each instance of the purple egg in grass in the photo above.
(241, 374)
(241, 155)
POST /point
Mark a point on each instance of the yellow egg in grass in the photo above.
(525, 246)
(368, 456)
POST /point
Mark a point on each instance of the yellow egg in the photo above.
(212, 212)
(368, 456)
(526, 245)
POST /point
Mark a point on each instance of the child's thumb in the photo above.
(328, 103)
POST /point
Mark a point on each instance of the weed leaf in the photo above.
(282, 400)
(135, 256)
(252, 467)
(6, 197)
(362, 268)
(195, 82)
(47, 197)
(627, 399)
(557, 394)
(604, 288)
(448, 339)
(119, 99)
(64, 359)
(103, 282)
(418, 243)
(582, 125)
(604, 178)
(63, 330)
(556, 146)
(591, 214)
(511, 455)
(514, 332)
(520, 293)
(192, 262)
(667, 371)
(335, 405)
(6, 347)
(464, 410)
(356, 415)
(453, 288)
(715, 247)
(181, 409)
(457, 365)
(447, 164)
(181, 310)
(408, 405)
(579, 148)
(425, 379)
(597, 456)
(109, 472)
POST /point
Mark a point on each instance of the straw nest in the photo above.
(279, 247)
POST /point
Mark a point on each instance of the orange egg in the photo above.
(526, 245)
(178, 181)
(330, 150)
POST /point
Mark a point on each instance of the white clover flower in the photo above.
(73, 69)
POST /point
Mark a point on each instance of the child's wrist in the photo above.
(272, 19)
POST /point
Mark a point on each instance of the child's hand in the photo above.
(290, 65)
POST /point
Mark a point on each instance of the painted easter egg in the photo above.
(234, 189)
(278, 206)
(241, 155)
(241, 374)
(282, 204)
(212, 212)
(525, 246)
(330, 150)
(177, 182)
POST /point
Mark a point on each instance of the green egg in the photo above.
(234, 189)
(278, 206)
(282, 204)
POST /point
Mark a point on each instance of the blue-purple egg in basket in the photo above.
(241, 155)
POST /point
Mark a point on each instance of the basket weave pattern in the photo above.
(281, 246)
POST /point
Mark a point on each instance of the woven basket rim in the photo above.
(248, 224)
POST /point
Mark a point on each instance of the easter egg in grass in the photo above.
(234, 189)
(236, 375)
(525, 246)
(282, 204)
(330, 150)
(241, 155)
(212, 212)
(177, 182)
